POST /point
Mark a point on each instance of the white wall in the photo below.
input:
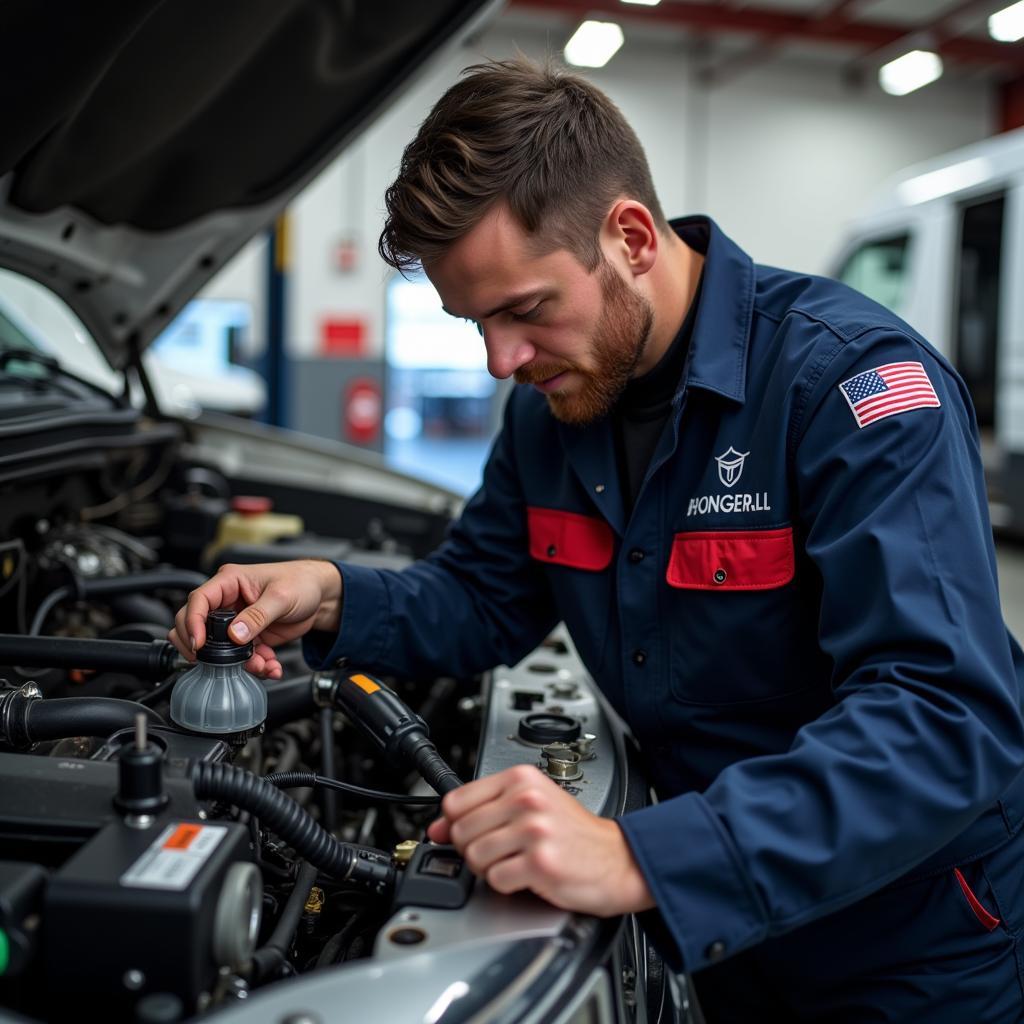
(781, 157)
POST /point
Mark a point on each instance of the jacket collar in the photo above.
(717, 362)
(721, 332)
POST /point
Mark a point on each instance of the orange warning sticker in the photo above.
(175, 856)
(181, 838)
(364, 683)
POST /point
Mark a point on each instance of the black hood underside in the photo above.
(152, 113)
(145, 142)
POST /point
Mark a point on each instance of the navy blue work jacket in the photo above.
(800, 619)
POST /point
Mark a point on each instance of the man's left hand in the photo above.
(519, 830)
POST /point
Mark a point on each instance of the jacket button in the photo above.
(639, 657)
(715, 951)
(552, 550)
(636, 556)
(720, 576)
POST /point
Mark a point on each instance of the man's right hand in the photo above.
(276, 602)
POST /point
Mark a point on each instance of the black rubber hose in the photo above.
(328, 797)
(58, 718)
(155, 660)
(141, 582)
(141, 608)
(110, 586)
(289, 701)
(268, 958)
(281, 814)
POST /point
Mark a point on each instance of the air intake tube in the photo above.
(26, 718)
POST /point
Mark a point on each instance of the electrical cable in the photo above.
(297, 780)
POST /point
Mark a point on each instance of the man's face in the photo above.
(575, 336)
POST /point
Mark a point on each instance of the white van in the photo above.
(942, 245)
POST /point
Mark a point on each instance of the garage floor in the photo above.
(1011, 585)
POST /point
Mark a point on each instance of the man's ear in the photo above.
(629, 236)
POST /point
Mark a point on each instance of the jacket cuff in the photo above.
(365, 624)
(708, 909)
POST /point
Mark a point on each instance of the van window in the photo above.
(976, 314)
(879, 270)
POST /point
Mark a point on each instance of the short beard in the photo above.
(616, 348)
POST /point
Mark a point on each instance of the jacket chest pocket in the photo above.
(569, 539)
(739, 631)
(731, 560)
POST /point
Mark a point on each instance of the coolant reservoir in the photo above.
(252, 521)
(218, 696)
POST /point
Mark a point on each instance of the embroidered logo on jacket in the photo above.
(728, 503)
(730, 468)
(730, 465)
(888, 390)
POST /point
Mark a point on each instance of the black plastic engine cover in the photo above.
(131, 915)
(51, 805)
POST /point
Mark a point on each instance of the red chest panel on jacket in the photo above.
(731, 560)
(567, 538)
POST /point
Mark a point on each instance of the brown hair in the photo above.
(547, 142)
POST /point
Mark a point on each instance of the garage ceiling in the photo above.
(856, 35)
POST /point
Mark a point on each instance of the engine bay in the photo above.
(168, 870)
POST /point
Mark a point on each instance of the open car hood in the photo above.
(146, 141)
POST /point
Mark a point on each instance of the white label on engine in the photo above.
(174, 858)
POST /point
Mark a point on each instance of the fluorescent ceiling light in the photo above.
(593, 44)
(1007, 25)
(909, 72)
(945, 180)
(651, 3)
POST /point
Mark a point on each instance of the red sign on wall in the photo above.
(342, 337)
(363, 409)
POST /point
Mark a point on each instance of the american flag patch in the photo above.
(888, 390)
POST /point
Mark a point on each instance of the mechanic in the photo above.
(755, 498)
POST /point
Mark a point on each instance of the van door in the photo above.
(977, 301)
(878, 268)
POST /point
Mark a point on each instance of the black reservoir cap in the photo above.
(219, 648)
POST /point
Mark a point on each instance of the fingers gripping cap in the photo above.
(219, 648)
(218, 696)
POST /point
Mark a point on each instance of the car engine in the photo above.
(171, 846)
